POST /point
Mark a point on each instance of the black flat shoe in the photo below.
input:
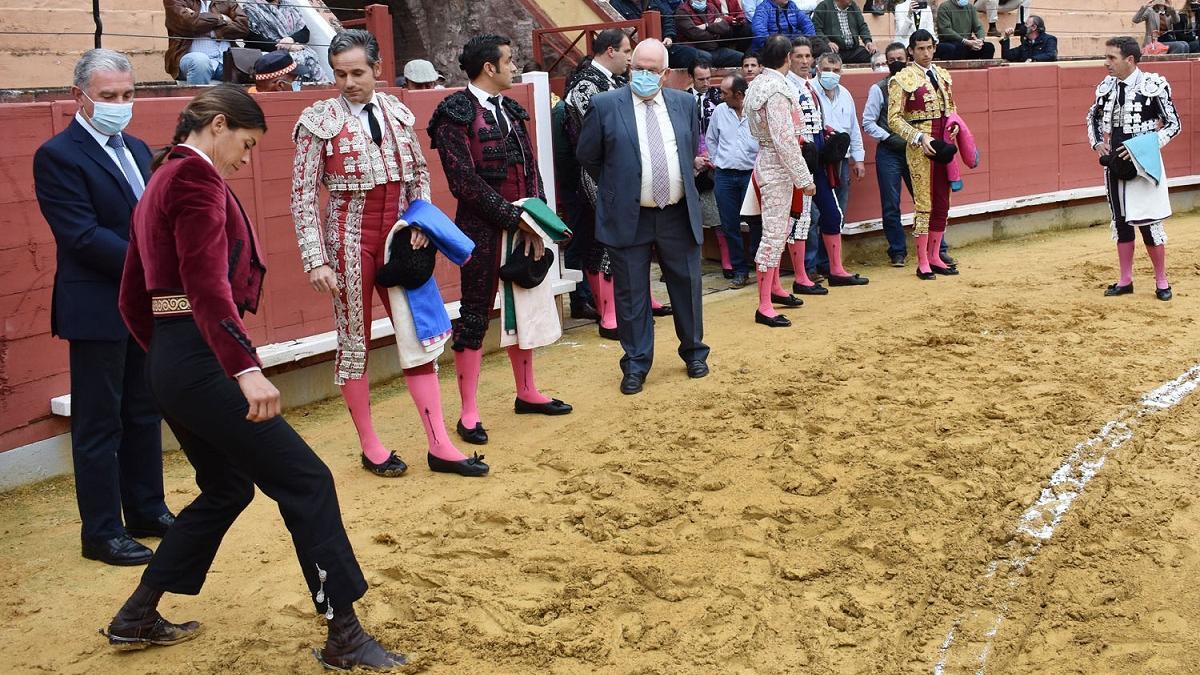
(898, 261)
(1116, 289)
(948, 261)
(632, 383)
(1163, 293)
(926, 276)
(728, 274)
(585, 312)
(665, 310)
(697, 369)
(944, 271)
(476, 436)
(551, 407)
(786, 300)
(471, 467)
(609, 333)
(153, 528)
(852, 280)
(389, 468)
(121, 551)
(777, 321)
(155, 631)
(814, 289)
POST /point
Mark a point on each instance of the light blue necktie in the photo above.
(117, 143)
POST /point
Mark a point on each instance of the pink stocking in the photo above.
(357, 394)
(776, 286)
(654, 304)
(923, 254)
(1125, 260)
(422, 384)
(724, 248)
(935, 248)
(764, 292)
(833, 244)
(797, 249)
(608, 301)
(1158, 257)
(522, 366)
(467, 365)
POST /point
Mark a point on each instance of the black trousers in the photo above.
(669, 232)
(959, 51)
(231, 455)
(116, 438)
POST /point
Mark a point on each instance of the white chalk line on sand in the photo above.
(1039, 522)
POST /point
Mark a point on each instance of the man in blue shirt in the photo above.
(732, 151)
(778, 17)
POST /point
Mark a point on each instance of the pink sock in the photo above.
(467, 364)
(1158, 257)
(935, 248)
(776, 286)
(593, 279)
(522, 367)
(422, 384)
(357, 394)
(1125, 260)
(833, 244)
(923, 254)
(608, 302)
(654, 304)
(797, 249)
(764, 293)
(723, 246)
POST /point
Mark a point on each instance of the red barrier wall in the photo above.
(33, 364)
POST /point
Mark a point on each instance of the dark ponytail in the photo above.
(240, 109)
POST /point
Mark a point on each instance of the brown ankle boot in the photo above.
(349, 646)
(139, 625)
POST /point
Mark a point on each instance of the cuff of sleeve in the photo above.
(248, 370)
(312, 262)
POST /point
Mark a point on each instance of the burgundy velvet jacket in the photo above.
(189, 235)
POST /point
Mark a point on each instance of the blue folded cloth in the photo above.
(1147, 156)
(428, 309)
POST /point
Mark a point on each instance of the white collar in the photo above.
(1132, 79)
(102, 139)
(200, 152)
(638, 100)
(607, 73)
(356, 108)
(482, 95)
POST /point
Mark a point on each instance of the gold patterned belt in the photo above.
(171, 305)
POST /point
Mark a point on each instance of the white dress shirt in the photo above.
(670, 149)
(841, 114)
(906, 25)
(359, 110)
(206, 44)
(606, 71)
(102, 139)
(487, 105)
(872, 111)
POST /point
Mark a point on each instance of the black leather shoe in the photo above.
(609, 333)
(1116, 289)
(155, 630)
(728, 274)
(926, 276)
(154, 528)
(814, 289)
(471, 467)
(585, 312)
(1163, 293)
(948, 261)
(777, 321)
(786, 300)
(122, 551)
(851, 280)
(697, 369)
(389, 468)
(740, 281)
(944, 271)
(551, 407)
(665, 310)
(350, 648)
(476, 436)
(632, 383)
(815, 276)
(898, 260)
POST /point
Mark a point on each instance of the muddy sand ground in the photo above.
(827, 501)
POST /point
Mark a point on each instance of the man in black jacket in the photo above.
(1036, 45)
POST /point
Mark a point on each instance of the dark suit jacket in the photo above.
(87, 202)
(609, 151)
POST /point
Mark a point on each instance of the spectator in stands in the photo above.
(733, 14)
(701, 26)
(914, 14)
(275, 71)
(732, 151)
(200, 33)
(1185, 29)
(779, 17)
(841, 22)
(1036, 44)
(960, 32)
(750, 66)
(278, 25)
(681, 56)
(1159, 18)
(88, 179)
(420, 74)
(994, 7)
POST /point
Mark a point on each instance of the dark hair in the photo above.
(355, 38)
(831, 58)
(1034, 18)
(479, 50)
(1127, 45)
(609, 38)
(240, 109)
(819, 46)
(775, 52)
(919, 35)
(893, 47)
(700, 62)
(737, 83)
(750, 55)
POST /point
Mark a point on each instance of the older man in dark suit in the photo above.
(650, 133)
(88, 179)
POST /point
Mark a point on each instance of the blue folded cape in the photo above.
(428, 309)
(1147, 155)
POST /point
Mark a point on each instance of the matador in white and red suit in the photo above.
(362, 148)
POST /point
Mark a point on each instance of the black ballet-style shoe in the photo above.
(471, 467)
(926, 276)
(609, 333)
(665, 310)
(551, 407)
(476, 436)
(811, 289)
(849, 280)
(786, 300)
(777, 321)
(1163, 294)
(391, 467)
(1117, 289)
(944, 271)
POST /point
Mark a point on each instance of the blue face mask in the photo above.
(645, 83)
(700, 5)
(961, 3)
(830, 80)
(110, 118)
(295, 85)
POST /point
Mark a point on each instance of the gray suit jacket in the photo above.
(609, 151)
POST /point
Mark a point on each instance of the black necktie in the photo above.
(500, 120)
(1121, 94)
(933, 79)
(376, 132)
(620, 81)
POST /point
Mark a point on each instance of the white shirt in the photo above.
(487, 105)
(841, 114)
(872, 111)
(906, 25)
(670, 149)
(359, 110)
(214, 49)
(806, 88)
(102, 139)
(606, 71)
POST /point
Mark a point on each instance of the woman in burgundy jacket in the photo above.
(192, 270)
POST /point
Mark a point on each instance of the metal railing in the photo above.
(648, 26)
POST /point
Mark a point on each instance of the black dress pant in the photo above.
(951, 51)
(231, 455)
(116, 438)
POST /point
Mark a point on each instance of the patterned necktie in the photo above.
(660, 178)
(117, 143)
(500, 119)
(376, 132)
